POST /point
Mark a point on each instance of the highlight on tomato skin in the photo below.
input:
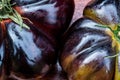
(52, 17)
(2, 55)
(107, 12)
(83, 55)
(1, 51)
(103, 11)
(31, 53)
(92, 43)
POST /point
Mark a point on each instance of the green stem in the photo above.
(7, 12)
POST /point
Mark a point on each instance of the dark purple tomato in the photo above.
(50, 16)
(83, 55)
(88, 46)
(31, 53)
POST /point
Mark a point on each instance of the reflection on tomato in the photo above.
(30, 53)
(89, 45)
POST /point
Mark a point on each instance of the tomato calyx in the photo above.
(7, 12)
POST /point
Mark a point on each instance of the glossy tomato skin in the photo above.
(31, 53)
(83, 56)
(50, 16)
(2, 55)
(103, 11)
(86, 44)
(26, 53)
(106, 12)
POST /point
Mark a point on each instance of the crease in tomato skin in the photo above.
(54, 7)
(39, 42)
(81, 27)
(113, 31)
(29, 49)
(108, 12)
(52, 31)
(41, 24)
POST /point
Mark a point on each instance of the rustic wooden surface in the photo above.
(79, 6)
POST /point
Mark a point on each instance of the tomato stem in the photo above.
(8, 12)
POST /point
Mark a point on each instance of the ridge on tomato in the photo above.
(30, 53)
(52, 17)
(91, 46)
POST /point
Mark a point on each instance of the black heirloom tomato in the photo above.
(92, 44)
(29, 53)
